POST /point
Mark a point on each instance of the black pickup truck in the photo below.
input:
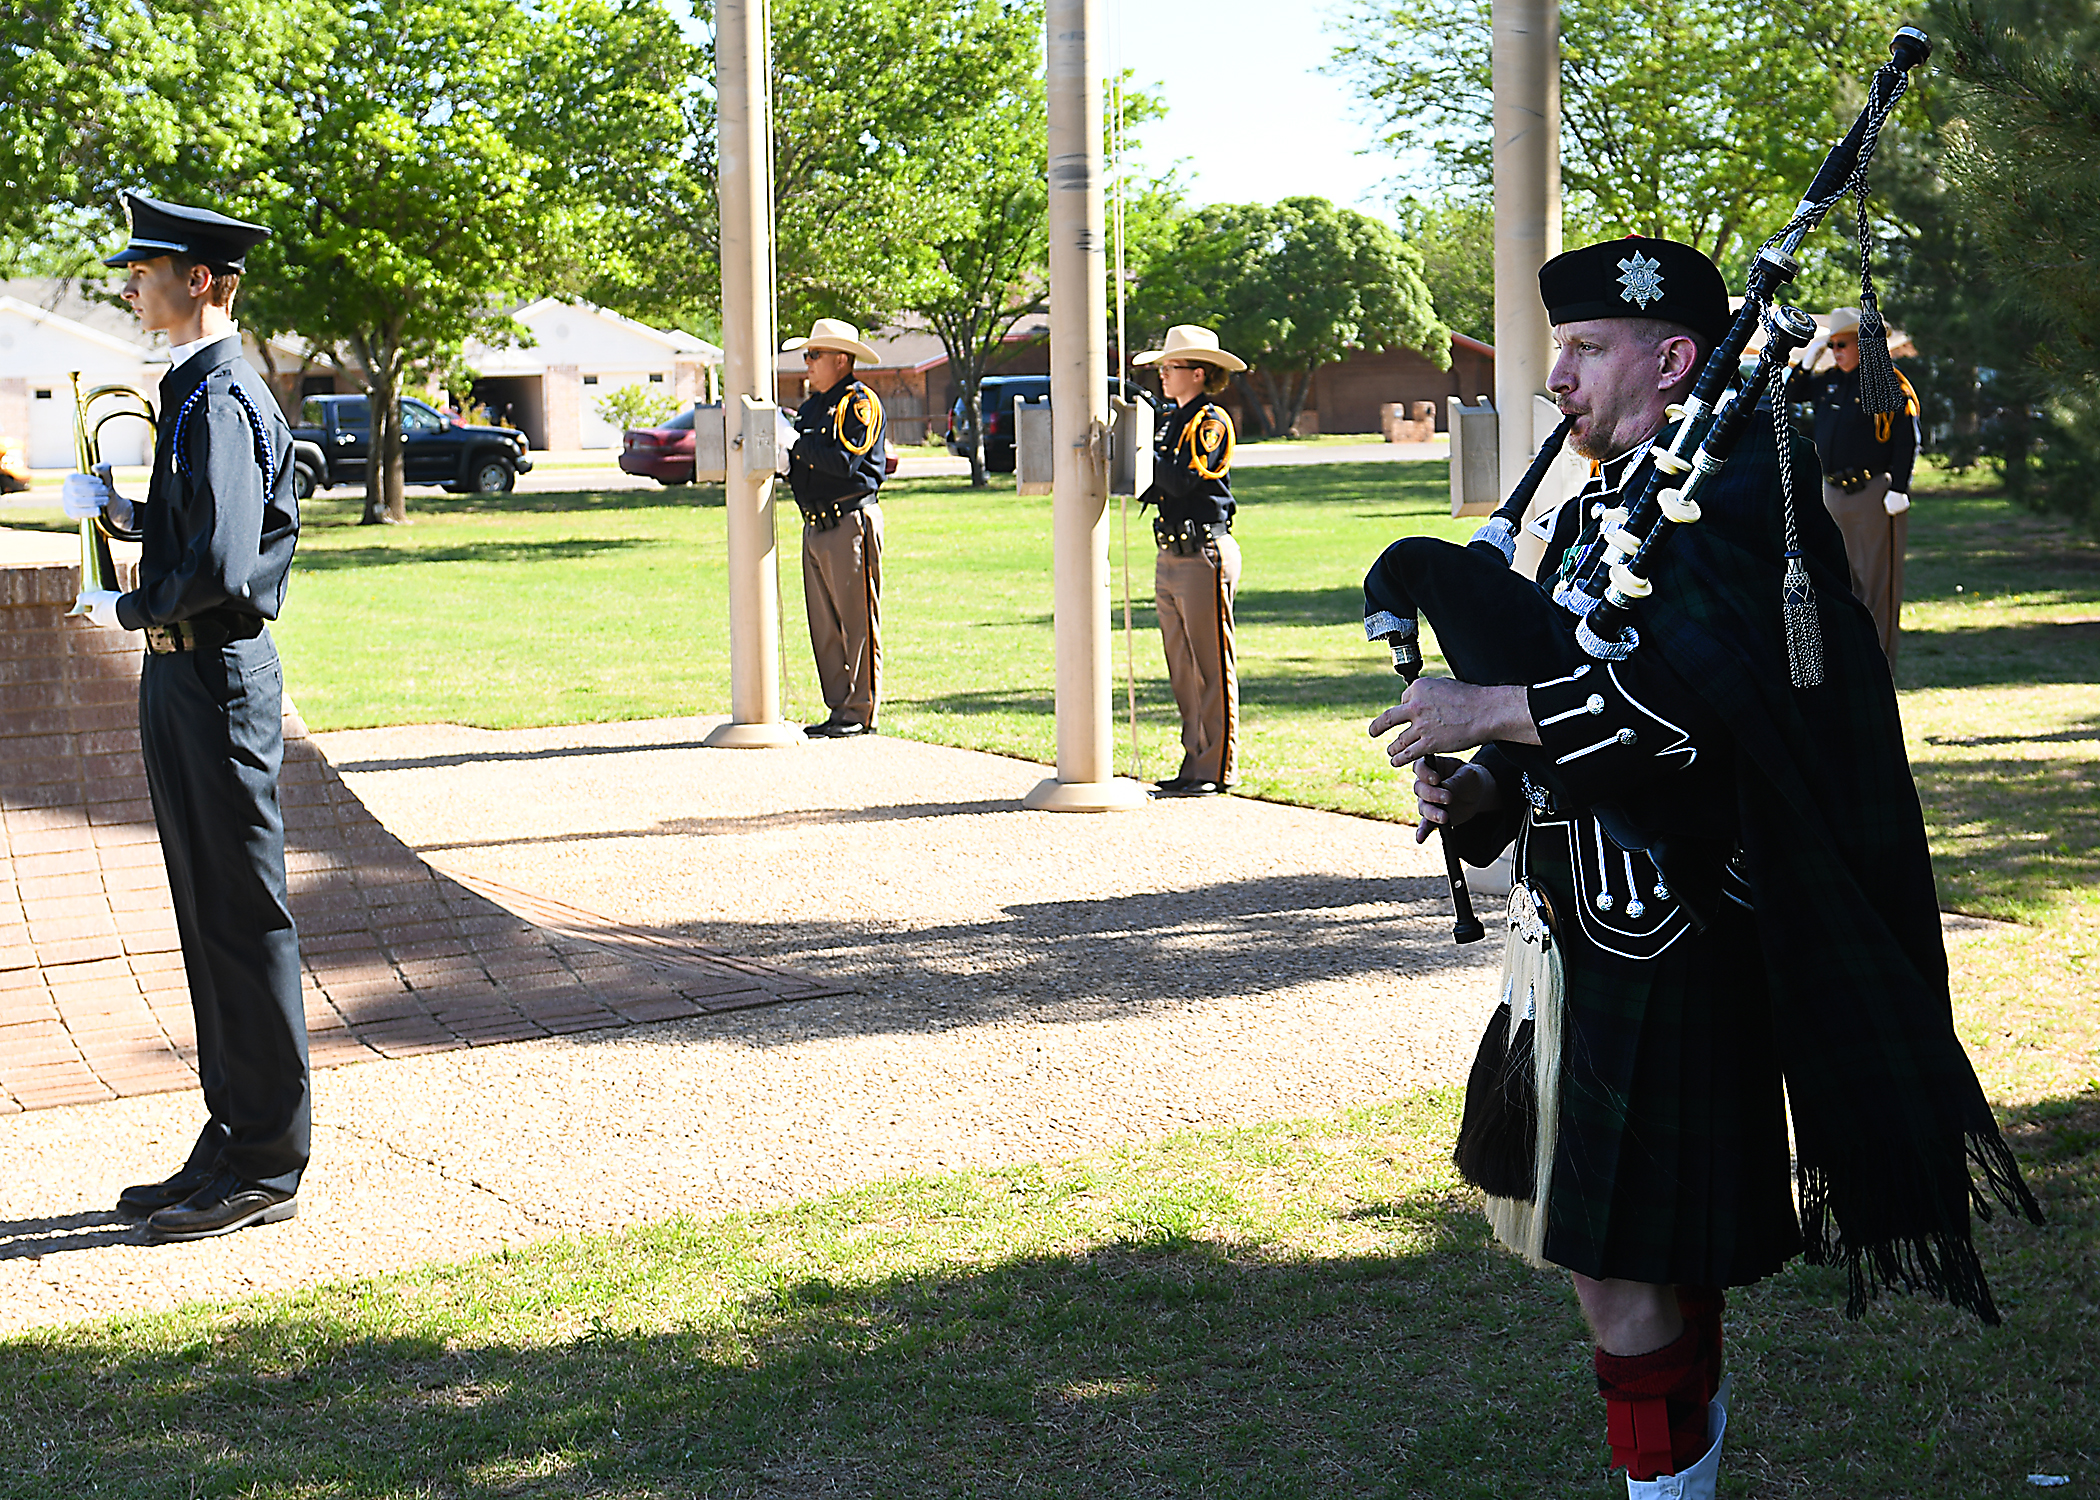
(334, 438)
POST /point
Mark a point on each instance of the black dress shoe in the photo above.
(838, 729)
(1193, 788)
(221, 1206)
(1170, 787)
(151, 1197)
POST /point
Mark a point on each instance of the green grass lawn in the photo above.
(1304, 1309)
(1308, 1309)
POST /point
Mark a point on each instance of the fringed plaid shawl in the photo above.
(1896, 1142)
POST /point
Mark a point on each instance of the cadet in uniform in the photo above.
(1867, 462)
(1722, 882)
(1198, 570)
(834, 464)
(219, 524)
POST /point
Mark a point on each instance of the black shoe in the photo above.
(1192, 788)
(221, 1206)
(838, 729)
(1171, 787)
(151, 1197)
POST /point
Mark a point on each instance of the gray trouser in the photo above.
(1194, 596)
(212, 726)
(842, 590)
(1874, 545)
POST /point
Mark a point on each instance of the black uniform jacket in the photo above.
(1852, 441)
(220, 519)
(838, 458)
(1888, 1116)
(1191, 464)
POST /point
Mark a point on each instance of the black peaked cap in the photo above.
(159, 228)
(1637, 277)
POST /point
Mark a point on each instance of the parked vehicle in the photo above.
(14, 468)
(996, 395)
(665, 452)
(333, 441)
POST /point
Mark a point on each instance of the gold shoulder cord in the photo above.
(1215, 434)
(867, 410)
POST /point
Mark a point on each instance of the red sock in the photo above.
(1702, 1307)
(1655, 1406)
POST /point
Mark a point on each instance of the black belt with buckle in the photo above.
(1190, 538)
(204, 633)
(1852, 481)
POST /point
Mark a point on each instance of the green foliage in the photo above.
(636, 405)
(1290, 287)
(1456, 240)
(1700, 121)
(2020, 141)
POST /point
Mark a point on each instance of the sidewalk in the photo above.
(1021, 986)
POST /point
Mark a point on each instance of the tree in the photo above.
(1456, 240)
(1695, 120)
(427, 187)
(103, 95)
(2021, 138)
(1291, 287)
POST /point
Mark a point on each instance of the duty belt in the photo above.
(1852, 481)
(827, 517)
(1190, 538)
(203, 634)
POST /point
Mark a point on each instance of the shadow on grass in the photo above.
(839, 1349)
(337, 509)
(2000, 655)
(567, 549)
(2025, 830)
(1422, 489)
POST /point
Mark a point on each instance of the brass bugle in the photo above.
(98, 569)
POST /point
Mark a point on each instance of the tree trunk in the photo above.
(386, 504)
(1257, 418)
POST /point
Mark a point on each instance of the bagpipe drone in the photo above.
(1497, 626)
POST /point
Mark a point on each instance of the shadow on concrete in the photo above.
(33, 1239)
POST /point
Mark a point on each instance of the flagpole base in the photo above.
(1120, 794)
(734, 736)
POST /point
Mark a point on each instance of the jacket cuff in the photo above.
(129, 615)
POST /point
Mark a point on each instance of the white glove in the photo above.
(783, 459)
(101, 607)
(785, 433)
(1895, 502)
(1807, 355)
(84, 495)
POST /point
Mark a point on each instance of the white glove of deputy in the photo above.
(784, 439)
(102, 608)
(84, 495)
(1807, 355)
(1895, 502)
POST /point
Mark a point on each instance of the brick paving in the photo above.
(399, 959)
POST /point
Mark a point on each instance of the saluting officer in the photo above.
(219, 522)
(834, 464)
(1867, 460)
(1198, 571)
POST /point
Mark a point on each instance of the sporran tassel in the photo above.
(1526, 1093)
(1804, 631)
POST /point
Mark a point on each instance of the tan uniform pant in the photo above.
(842, 591)
(1194, 595)
(1874, 546)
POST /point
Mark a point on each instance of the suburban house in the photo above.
(550, 389)
(48, 330)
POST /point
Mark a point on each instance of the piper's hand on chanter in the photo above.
(1447, 793)
(1437, 715)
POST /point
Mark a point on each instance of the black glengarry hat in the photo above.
(159, 228)
(1637, 277)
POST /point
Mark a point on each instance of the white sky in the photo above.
(1248, 113)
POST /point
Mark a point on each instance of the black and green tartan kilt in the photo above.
(1672, 1163)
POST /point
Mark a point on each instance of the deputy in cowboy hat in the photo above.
(1198, 571)
(834, 464)
(1867, 460)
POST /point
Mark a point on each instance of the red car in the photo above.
(665, 453)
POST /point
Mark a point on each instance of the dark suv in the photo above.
(996, 395)
(334, 440)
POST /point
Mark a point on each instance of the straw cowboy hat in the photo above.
(1187, 341)
(833, 333)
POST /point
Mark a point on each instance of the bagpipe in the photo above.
(1498, 627)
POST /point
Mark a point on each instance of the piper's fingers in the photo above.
(1392, 718)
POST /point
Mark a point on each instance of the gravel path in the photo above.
(1028, 985)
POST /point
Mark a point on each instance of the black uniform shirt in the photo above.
(220, 519)
(838, 459)
(1852, 441)
(1192, 459)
